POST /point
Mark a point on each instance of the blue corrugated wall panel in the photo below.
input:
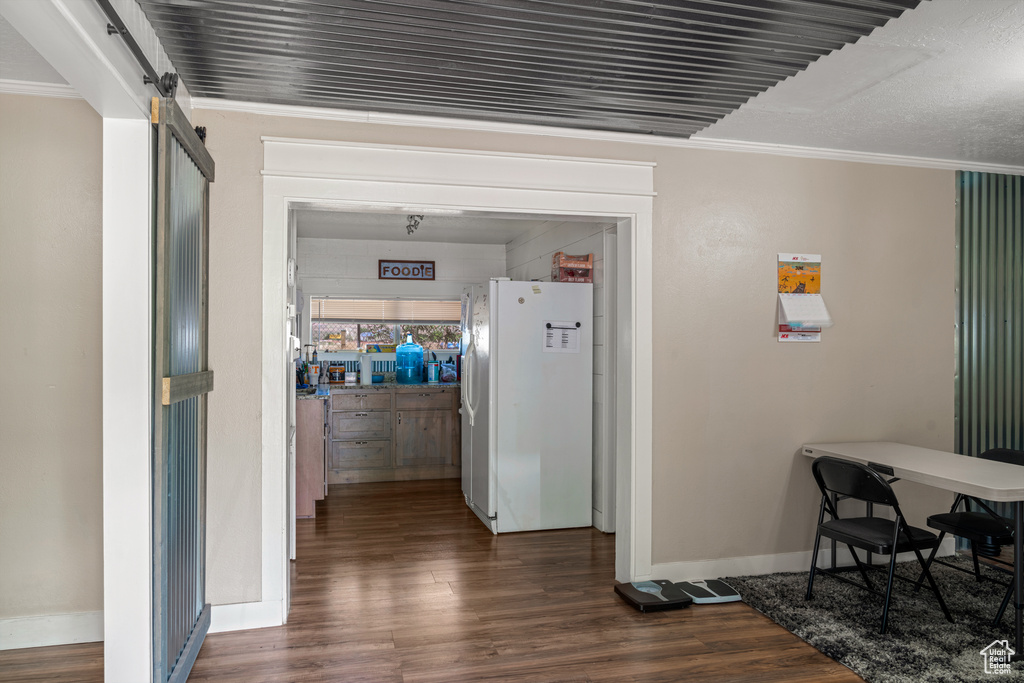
(990, 313)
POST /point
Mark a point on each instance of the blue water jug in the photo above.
(409, 363)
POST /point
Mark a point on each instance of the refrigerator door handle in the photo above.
(467, 377)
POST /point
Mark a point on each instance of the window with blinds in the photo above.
(386, 311)
(352, 324)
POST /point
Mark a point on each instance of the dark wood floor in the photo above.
(400, 582)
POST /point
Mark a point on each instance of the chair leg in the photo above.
(860, 567)
(888, 590)
(931, 557)
(935, 586)
(1003, 605)
(814, 565)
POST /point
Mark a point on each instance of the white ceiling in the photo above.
(944, 81)
(20, 62)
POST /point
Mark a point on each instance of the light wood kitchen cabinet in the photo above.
(423, 437)
(425, 433)
(360, 433)
(310, 472)
(393, 433)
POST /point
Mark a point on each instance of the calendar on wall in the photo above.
(802, 310)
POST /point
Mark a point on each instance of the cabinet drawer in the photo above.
(351, 426)
(424, 400)
(372, 400)
(347, 455)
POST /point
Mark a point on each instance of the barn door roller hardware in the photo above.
(167, 84)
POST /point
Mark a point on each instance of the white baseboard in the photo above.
(51, 629)
(768, 564)
(245, 615)
(599, 523)
(87, 627)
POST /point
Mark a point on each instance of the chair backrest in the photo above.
(848, 478)
(1007, 455)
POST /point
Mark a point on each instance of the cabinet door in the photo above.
(354, 426)
(423, 437)
(309, 456)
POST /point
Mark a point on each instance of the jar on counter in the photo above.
(409, 362)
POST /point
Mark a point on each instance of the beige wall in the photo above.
(732, 404)
(730, 408)
(51, 497)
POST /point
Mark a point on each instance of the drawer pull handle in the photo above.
(360, 395)
(362, 414)
(362, 443)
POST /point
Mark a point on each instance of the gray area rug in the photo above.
(842, 621)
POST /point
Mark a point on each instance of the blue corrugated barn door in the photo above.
(181, 614)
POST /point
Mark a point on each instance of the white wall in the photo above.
(51, 504)
(528, 257)
(342, 267)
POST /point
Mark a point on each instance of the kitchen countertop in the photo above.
(307, 394)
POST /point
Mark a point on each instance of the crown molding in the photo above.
(10, 86)
(848, 155)
(382, 118)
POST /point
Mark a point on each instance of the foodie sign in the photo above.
(405, 270)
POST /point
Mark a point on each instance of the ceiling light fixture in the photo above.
(414, 222)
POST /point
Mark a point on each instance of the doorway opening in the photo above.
(351, 178)
(341, 308)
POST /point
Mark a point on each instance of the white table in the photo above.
(986, 479)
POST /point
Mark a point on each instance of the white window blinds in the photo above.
(386, 311)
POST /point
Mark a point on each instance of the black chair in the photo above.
(986, 530)
(879, 535)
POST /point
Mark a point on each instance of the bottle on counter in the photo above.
(323, 388)
(409, 362)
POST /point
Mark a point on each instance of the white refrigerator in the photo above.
(527, 404)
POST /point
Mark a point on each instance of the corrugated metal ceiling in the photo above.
(666, 68)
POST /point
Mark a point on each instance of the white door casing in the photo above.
(359, 176)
